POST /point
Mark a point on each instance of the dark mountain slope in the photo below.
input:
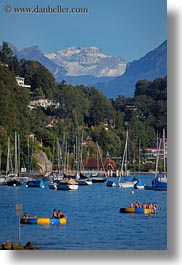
(151, 66)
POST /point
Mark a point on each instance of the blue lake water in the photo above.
(93, 218)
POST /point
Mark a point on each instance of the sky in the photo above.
(125, 28)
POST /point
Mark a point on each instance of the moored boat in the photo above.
(67, 184)
(110, 183)
(35, 184)
(53, 185)
(126, 184)
(125, 180)
(158, 183)
(13, 183)
(3, 180)
(42, 220)
(84, 181)
(98, 178)
(160, 180)
(139, 185)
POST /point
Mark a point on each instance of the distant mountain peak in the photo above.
(35, 53)
(88, 61)
(33, 48)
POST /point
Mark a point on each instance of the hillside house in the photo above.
(21, 82)
(93, 164)
(52, 121)
(43, 103)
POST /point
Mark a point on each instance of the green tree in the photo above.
(7, 57)
(39, 78)
(8, 111)
(100, 108)
(141, 87)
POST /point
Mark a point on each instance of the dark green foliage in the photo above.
(73, 103)
(8, 107)
(7, 57)
(41, 80)
(100, 108)
(151, 101)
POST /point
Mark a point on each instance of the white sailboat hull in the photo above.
(126, 184)
(63, 186)
(84, 182)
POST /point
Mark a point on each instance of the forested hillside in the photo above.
(78, 110)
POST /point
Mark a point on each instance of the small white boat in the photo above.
(125, 180)
(126, 184)
(67, 184)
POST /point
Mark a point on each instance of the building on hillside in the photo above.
(43, 103)
(93, 164)
(52, 121)
(108, 123)
(150, 153)
(3, 64)
(21, 82)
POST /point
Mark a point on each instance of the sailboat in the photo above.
(160, 180)
(80, 177)
(12, 179)
(98, 177)
(58, 175)
(139, 185)
(33, 181)
(125, 180)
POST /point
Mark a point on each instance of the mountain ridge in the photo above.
(34, 53)
(89, 67)
(150, 66)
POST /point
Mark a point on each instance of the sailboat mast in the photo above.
(19, 154)
(81, 153)
(99, 153)
(16, 156)
(164, 150)
(125, 153)
(139, 155)
(0, 158)
(8, 158)
(157, 162)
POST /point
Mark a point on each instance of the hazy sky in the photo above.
(126, 28)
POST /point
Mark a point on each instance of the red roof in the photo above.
(91, 163)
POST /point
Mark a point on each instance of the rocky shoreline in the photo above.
(8, 245)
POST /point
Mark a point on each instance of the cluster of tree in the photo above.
(80, 109)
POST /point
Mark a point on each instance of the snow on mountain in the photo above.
(88, 61)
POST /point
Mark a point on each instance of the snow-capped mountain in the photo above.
(88, 62)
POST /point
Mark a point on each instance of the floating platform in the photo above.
(137, 210)
(43, 220)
